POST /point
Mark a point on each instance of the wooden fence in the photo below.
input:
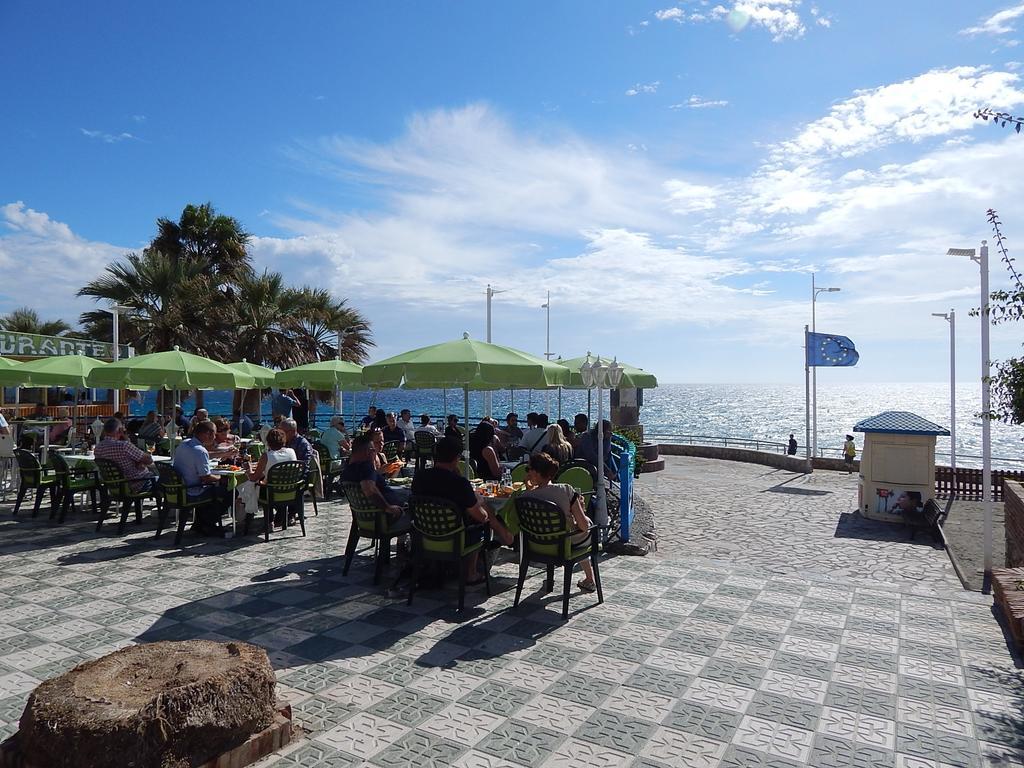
(967, 483)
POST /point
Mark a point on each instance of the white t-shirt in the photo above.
(3, 422)
(534, 440)
(281, 454)
(428, 428)
(409, 427)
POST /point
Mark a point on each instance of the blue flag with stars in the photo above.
(827, 349)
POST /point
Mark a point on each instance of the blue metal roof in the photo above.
(899, 423)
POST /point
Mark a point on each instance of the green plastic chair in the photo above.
(284, 485)
(256, 451)
(425, 442)
(369, 521)
(547, 540)
(34, 476)
(313, 434)
(162, 447)
(72, 481)
(116, 487)
(580, 479)
(467, 470)
(439, 533)
(519, 472)
(176, 498)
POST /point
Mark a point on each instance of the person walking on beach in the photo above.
(791, 448)
(849, 453)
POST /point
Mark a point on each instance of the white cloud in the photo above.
(47, 262)
(698, 102)
(109, 138)
(1000, 23)
(643, 88)
(670, 14)
(780, 18)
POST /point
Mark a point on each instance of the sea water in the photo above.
(677, 412)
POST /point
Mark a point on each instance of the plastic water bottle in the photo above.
(506, 477)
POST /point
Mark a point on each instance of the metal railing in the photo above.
(771, 446)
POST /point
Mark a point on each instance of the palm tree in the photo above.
(171, 303)
(26, 320)
(214, 241)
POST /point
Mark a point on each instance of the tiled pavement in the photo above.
(690, 661)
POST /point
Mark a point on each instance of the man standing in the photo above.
(135, 464)
(283, 402)
(192, 460)
(849, 453)
(791, 446)
(444, 481)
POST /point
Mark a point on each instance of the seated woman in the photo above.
(225, 445)
(249, 491)
(151, 430)
(557, 446)
(541, 472)
(482, 452)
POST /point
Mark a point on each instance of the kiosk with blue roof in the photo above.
(897, 466)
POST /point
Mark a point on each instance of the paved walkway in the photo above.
(712, 653)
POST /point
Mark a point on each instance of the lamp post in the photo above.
(981, 259)
(338, 394)
(814, 369)
(598, 375)
(547, 348)
(115, 310)
(950, 317)
(487, 395)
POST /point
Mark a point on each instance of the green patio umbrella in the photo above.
(465, 364)
(263, 377)
(173, 370)
(56, 371)
(5, 363)
(327, 376)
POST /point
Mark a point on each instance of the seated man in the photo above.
(360, 469)
(192, 460)
(535, 438)
(586, 447)
(515, 434)
(371, 415)
(407, 425)
(225, 445)
(426, 426)
(335, 438)
(444, 481)
(201, 415)
(135, 464)
(394, 433)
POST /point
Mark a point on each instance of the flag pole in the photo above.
(807, 401)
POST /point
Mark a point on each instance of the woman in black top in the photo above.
(481, 451)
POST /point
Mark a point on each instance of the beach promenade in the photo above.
(771, 628)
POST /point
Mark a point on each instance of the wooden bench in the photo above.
(930, 519)
(1008, 591)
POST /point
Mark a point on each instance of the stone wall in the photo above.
(1013, 506)
(780, 460)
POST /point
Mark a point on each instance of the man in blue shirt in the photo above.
(283, 402)
(192, 460)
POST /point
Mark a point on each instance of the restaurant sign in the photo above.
(31, 345)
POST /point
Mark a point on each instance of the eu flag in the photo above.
(827, 349)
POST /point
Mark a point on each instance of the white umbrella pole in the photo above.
(465, 411)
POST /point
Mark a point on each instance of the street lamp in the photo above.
(487, 395)
(950, 317)
(986, 406)
(116, 310)
(547, 351)
(814, 369)
(598, 375)
(338, 401)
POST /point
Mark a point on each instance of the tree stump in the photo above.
(157, 705)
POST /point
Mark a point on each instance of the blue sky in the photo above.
(671, 172)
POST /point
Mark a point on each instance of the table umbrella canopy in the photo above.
(325, 375)
(57, 371)
(465, 364)
(263, 377)
(631, 376)
(170, 370)
(5, 363)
